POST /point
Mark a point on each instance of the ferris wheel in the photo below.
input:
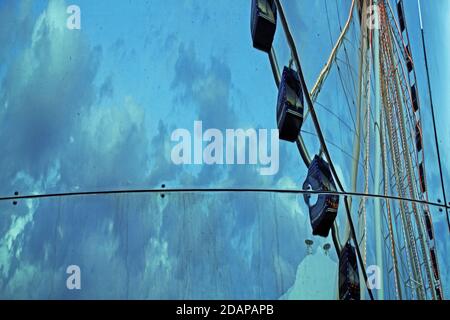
(388, 141)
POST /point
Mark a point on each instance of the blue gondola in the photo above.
(423, 186)
(409, 64)
(415, 102)
(429, 225)
(439, 293)
(348, 274)
(324, 211)
(434, 263)
(289, 105)
(263, 23)
(418, 137)
(401, 18)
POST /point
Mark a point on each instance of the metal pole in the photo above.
(377, 155)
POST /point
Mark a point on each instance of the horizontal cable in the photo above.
(219, 190)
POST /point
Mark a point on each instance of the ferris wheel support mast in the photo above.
(357, 138)
(377, 155)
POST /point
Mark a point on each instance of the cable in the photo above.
(336, 146)
(340, 119)
(216, 190)
(324, 73)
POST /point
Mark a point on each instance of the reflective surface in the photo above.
(94, 109)
(180, 246)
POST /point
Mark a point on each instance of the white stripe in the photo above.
(420, 15)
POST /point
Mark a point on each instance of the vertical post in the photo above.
(357, 138)
(377, 154)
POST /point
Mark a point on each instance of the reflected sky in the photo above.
(180, 246)
(94, 109)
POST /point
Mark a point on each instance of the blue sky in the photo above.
(94, 109)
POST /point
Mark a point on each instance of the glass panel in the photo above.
(189, 246)
(98, 96)
(96, 108)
